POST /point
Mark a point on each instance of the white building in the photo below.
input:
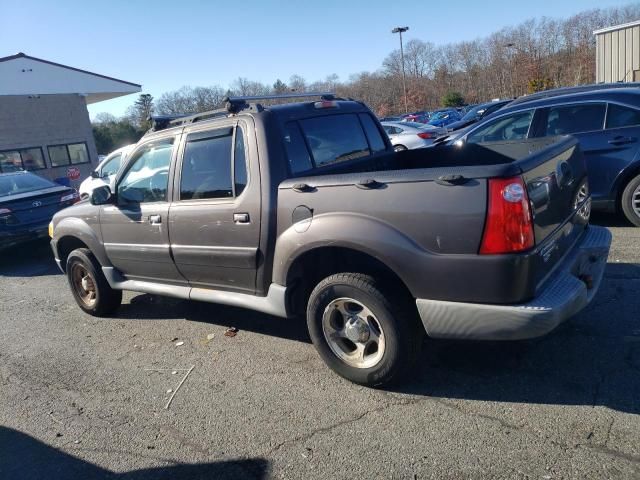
(44, 122)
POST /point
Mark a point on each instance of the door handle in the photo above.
(241, 218)
(620, 140)
(155, 219)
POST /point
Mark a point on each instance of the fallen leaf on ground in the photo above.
(231, 332)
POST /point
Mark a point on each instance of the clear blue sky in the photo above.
(164, 45)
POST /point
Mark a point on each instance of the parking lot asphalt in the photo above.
(83, 397)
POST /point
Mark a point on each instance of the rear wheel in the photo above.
(399, 148)
(631, 201)
(362, 331)
(89, 287)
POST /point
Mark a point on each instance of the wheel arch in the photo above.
(71, 233)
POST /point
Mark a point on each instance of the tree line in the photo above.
(535, 55)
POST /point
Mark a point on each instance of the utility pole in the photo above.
(401, 30)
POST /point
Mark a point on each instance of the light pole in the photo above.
(400, 30)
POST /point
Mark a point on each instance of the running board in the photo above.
(273, 304)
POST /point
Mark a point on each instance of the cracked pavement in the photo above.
(82, 397)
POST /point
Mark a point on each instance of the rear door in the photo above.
(215, 217)
(135, 230)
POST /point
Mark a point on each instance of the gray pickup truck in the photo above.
(305, 209)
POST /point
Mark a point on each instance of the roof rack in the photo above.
(232, 105)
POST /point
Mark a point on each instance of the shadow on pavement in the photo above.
(29, 259)
(153, 307)
(610, 220)
(23, 457)
(592, 360)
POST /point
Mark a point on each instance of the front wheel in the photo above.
(361, 331)
(89, 287)
(399, 148)
(631, 201)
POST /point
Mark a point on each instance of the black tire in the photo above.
(399, 148)
(403, 331)
(627, 201)
(104, 300)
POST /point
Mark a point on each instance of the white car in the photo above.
(410, 135)
(105, 172)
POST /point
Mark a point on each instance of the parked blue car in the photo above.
(604, 118)
(27, 204)
(442, 118)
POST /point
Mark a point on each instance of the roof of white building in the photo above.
(616, 27)
(22, 74)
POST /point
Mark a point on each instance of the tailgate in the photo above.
(556, 180)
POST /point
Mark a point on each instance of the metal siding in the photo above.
(628, 53)
(622, 43)
(614, 56)
(636, 48)
(606, 58)
(599, 44)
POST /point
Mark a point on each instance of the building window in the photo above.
(71, 154)
(22, 159)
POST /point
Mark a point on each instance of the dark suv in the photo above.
(605, 120)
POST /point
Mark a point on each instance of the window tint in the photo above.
(24, 159)
(240, 164)
(148, 177)
(112, 166)
(78, 153)
(575, 118)
(297, 153)
(511, 127)
(206, 167)
(32, 159)
(373, 134)
(58, 155)
(619, 116)
(335, 138)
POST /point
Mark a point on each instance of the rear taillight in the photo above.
(72, 197)
(509, 227)
(7, 217)
(427, 135)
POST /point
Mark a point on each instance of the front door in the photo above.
(135, 230)
(215, 217)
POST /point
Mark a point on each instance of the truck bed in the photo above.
(433, 203)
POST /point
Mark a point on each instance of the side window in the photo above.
(570, 119)
(373, 134)
(297, 153)
(206, 166)
(240, 164)
(510, 127)
(335, 138)
(112, 166)
(148, 177)
(387, 129)
(619, 116)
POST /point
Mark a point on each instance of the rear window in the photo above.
(619, 116)
(22, 183)
(331, 139)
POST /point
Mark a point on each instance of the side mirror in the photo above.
(95, 174)
(101, 195)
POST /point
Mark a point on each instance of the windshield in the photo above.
(22, 183)
(473, 113)
(440, 115)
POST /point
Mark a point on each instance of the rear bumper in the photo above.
(562, 295)
(30, 232)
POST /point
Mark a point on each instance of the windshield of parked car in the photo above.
(22, 183)
(474, 113)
